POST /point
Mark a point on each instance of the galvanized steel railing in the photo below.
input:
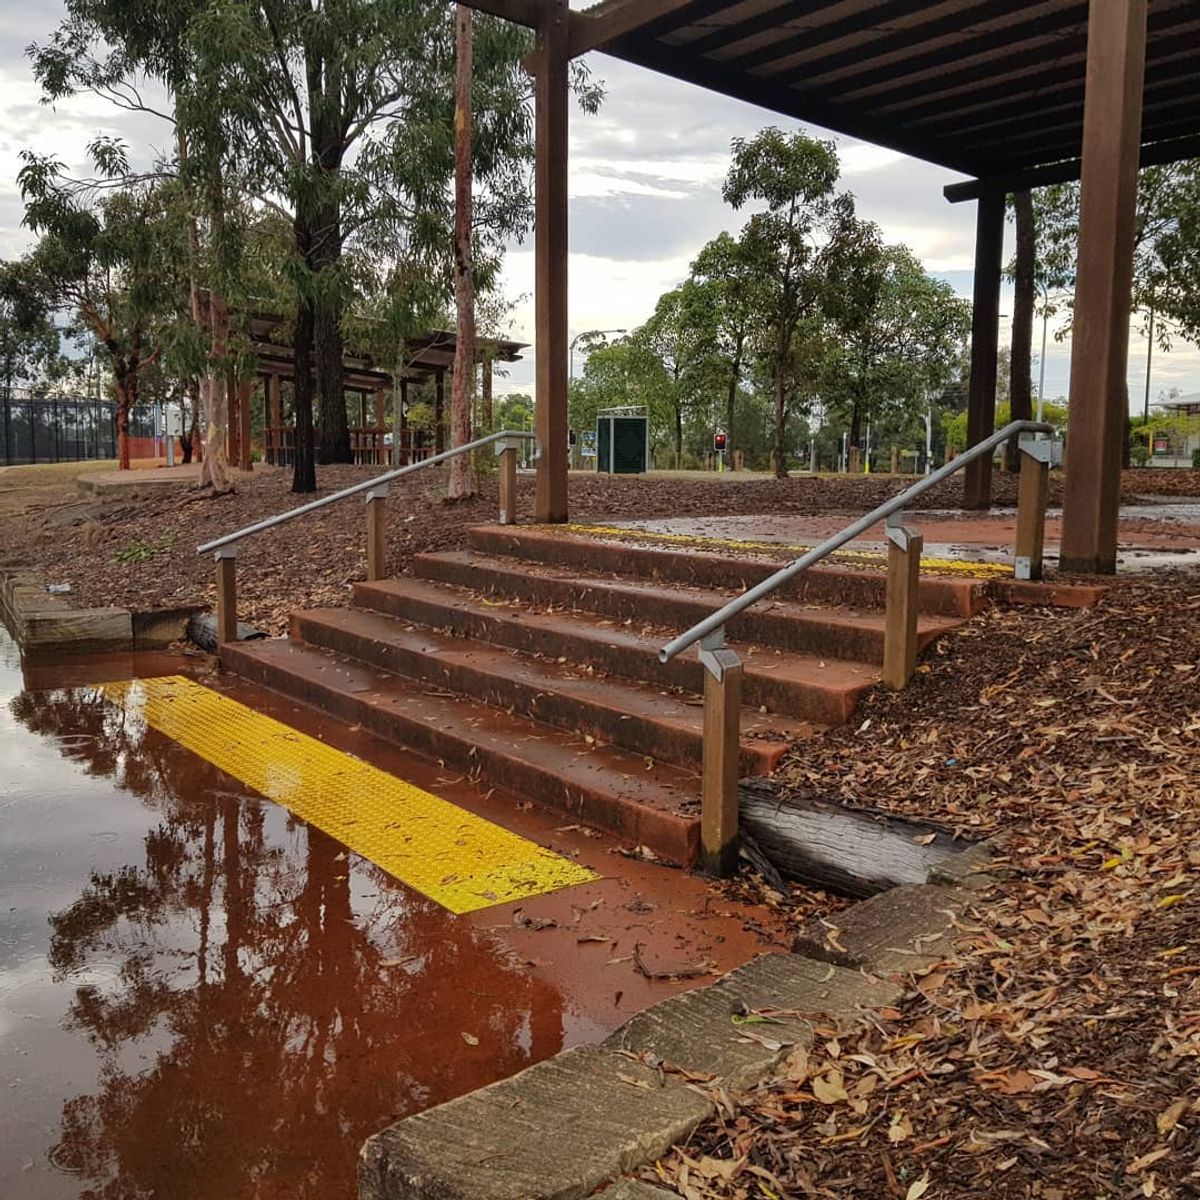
(224, 548)
(723, 668)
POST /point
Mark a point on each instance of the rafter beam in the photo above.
(596, 28)
(1154, 154)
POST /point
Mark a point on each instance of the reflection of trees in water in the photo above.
(274, 1038)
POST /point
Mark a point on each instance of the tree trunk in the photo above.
(189, 440)
(328, 352)
(214, 395)
(304, 473)
(678, 437)
(853, 851)
(462, 471)
(778, 451)
(1020, 374)
(730, 404)
(126, 392)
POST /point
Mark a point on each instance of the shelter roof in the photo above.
(987, 87)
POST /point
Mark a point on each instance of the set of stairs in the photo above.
(530, 661)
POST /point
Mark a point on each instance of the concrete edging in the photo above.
(575, 1123)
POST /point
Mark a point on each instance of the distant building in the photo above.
(1176, 449)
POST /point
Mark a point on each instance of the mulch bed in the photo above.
(141, 553)
(1058, 1054)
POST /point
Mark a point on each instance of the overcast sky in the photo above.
(645, 186)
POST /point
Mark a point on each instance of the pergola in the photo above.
(428, 355)
(1016, 93)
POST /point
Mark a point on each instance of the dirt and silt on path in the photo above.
(140, 553)
(1057, 1055)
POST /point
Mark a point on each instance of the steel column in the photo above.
(1112, 123)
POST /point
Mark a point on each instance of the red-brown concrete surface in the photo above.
(201, 996)
(1147, 531)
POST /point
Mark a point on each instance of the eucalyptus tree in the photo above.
(804, 226)
(29, 341)
(727, 302)
(899, 332)
(109, 256)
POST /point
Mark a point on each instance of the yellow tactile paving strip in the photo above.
(846, 558)
(454, 857)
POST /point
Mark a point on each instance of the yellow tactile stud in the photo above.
(454, 857)
(846, 557)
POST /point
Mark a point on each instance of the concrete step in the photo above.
(837, 632)
(650, 804)
(941, 595)
(822, 690)
(637, 717)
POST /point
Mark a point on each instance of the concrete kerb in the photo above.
(570, 1126)
(44, 623)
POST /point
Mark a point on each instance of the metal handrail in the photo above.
(714, 622)
(367, 484)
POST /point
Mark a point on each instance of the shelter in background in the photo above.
(1016, 93)
(427, 356)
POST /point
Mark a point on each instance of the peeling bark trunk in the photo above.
(462, 482)
(214, 395)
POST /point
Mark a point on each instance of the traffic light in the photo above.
(719, 440)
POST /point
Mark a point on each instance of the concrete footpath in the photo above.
(576, 1123)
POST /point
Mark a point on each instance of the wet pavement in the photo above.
(203, 996)
(1153, 533)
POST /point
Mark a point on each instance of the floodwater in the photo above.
(201, 996)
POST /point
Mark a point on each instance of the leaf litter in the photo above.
(1055, 1054)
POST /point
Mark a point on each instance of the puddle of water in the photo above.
(202, 996)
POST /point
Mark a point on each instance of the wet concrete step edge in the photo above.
(860, 588)
(615, 712)
(802, 686)
(608, 789)
(839, 632)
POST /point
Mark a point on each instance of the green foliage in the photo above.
(954, 425)
(29, 342)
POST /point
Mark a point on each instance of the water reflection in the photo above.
(255, 1002)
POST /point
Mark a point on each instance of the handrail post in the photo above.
(377, 532)
(1032, 490)
(903, 595)
(226, 559)
(721, 750)
(507, 453)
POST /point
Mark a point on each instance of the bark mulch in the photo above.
(1058, 1054)
(141, 553)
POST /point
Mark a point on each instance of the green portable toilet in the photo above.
(623, 441)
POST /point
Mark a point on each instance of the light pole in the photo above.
(588, 333)
(1042, 361)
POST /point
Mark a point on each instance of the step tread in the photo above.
(659, 786)
(832, 674)
(640, 700)
(928, 625)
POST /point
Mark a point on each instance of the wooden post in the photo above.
(508, 482)
(903, 602)
(245, 389)
(1112, 122)
(402, 436)
(855, 460)
(1031, 507)
(550, 250)
(439, 413)
(233, 428)
(226, 595)
(275, 441)
(722, 749)
(895, 460)
(985, 335)
(377, 532)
